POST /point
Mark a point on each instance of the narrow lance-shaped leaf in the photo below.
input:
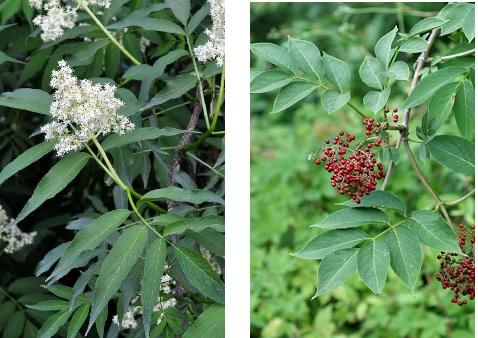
(53, 324)
(195, 224)
(180, 9)
(116, 266)
(335, 269)
(352, 218)
(77, 320)
(34, 100)
(464, 109)
(270, 80)
(200, 274)
(54, 181)
(405, 253)
(331, 241)
(153, 270)
(210, 324)
(373, 262)
(136, 135)
(196, 196)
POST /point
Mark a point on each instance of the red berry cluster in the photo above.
(457, 272)
(357, 173)
(394, 116)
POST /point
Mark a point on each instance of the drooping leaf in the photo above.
(464, 109)
(456, 153)
(270, 80)
(53, 324)
(180, 9)
(307, 57)
(153, 270)
(291, 94)
(77, 320)
(195, 224)
(90, 237)
(34, 100)
(433, 231)
(331, 241)
(272, 53)
(375, 101)
(200, 274)
(25, 159)
(138, 134)
(352, 218)
(413, 44)
(399, 71)
(378, 199)
(439, 108)
(383, 48)
(372, 73)
(373, 261)
(116, 266)
(211, 239)
(210, 324)
(332, 100)
(431, 83)
(174, 89)
(337, 72)
(51, 258)
(50, 305)
(405, 253)
(425, 25)
(197, 18)
(195, 196)
(57, 178)
(335, 269)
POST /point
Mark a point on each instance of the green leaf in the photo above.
(270, 80)
(405, 253)
(100, 322)
(455, 14)
(431, 83)
(195, 196)
(372, 73)
(352, 218)
(6, 311)
(307, 56)
(153, 270)
(291, 94)
(175, 88)
(34, 100)
(464, 109)
(5, 58)
(57, 178)
(15, 325)
(337, 72)
(456, 153)
(272, 53)
(399, 71)
(50, 305)
(335, 269)
(332, 100)
(30, 330)
(211, 239)
(383, 48)
(195, 224)
(90, 237)
(197, 18)
(414, 44)
(469, 25)
(439, 108)
(373, 261)
(149, 24)
(53, 324)
(50, 258)
(77, 320)
(210, 324)
(425, 25)
(136, 135)
(180, 9)
(331, 241)
(25, 159)
(433, 231)
(378, 199)
(200, 274)
(375, 101)
(116, 266)
(86, 54)
(131, 105)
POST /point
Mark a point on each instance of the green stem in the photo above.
(196, 70)
(6, 294)
(85, 7)
(453, 56)
(461, 199)
(205, 164)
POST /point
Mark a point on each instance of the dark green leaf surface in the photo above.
(138, 134)
(378, 199)
(34, 100)
(454, 152)
(291, 94)
(373, 261)
(352, 217)
(270, 80)
(210, 324)
(307, 57)
(195, 224)
(335, 269)
(196, 196)
(337, 72)
(464, 109)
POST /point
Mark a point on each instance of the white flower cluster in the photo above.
(130, 318)
(11, 234)
(214, 48)
(58, 16)
(81, 111)
(210, 258)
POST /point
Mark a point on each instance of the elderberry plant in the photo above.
(375, 231)
(119, 222)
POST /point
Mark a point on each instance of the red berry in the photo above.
(317, 162)
(395, 109)
(386, 110)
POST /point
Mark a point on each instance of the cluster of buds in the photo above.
(457, 272)
(356, 174)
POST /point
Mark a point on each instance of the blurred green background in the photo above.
(289, 193)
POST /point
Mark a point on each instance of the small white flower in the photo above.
(143, 44)
(11, 234)
(214, 48)
(81, 111)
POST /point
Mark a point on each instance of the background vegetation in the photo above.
(289, 193)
